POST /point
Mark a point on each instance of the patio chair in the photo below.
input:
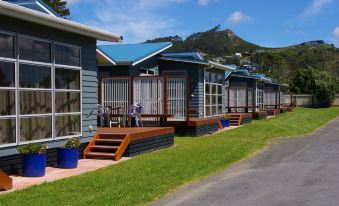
(134, 111)
(115, 120)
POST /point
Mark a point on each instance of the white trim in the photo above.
(45, 9)
(182, 60)
(35, 115)
(35, 141)
(68, 114)
(220, 66)
(34, 63)
(106, 57)
(155, 53)
(5, 59)
(47, 20)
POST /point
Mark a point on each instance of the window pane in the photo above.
(7, 74)
(7, 128)
(35, 128)
(32, 76)
(208, 111)
(219, 89)
(219, 110)
(207, 100)
(207, 88)
(67, 79)
(219, 99)
(214, 99)
(67, 102)
(34, 50)
(67, 55)
(214, 89)
(6, 46)
(214, 110)
(35, 102)
(7, 103)
(68, 125)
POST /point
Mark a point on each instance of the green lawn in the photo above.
(150, 176)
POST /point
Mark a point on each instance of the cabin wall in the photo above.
(89, 79)
(196, 74)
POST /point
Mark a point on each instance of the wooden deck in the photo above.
(113, 143)
(137, 133)
(194, 122)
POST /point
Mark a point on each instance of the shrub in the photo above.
(33, 148)
(319, 83)
(73, 143)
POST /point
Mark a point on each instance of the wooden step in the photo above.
(6, 182)
(112, 136)
(100, 155)
(104, 147)
(109, 141)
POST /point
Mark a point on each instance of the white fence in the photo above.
(306, 100)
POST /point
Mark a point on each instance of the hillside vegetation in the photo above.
(281, 63)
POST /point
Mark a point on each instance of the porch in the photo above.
(114, 143)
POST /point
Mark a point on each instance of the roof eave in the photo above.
(19, 12)
(220, 66)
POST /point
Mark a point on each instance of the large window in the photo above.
(40, 90)
(213, 94)
(67, 101)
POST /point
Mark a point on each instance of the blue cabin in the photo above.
(48, 77)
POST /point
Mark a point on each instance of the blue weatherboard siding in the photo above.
(131, 53)
(89, 81)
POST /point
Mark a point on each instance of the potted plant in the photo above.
(69, 154)
(33, 159)
(227, 118)
(225, 121)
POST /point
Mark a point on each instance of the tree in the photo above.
(319, 83)
(59, 6)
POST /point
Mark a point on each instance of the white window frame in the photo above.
(11, 60)
(16, 60)
(218, 104)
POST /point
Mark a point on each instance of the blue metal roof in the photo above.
(37, 5)
(132, 53)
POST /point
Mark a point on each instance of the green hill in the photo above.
(280, 63)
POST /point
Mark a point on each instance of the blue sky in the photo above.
(273, 23)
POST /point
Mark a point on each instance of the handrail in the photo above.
(122, 148)
(6, 182)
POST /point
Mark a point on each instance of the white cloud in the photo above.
(238, 17)
(135, 20)
(315, 7)
(203, 2)
(335, 33)
(72, 1)
(335, 36)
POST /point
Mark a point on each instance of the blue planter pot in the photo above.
(227, 123)
(34, 165)
(68, 158)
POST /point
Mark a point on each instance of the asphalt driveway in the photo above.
(293, 172)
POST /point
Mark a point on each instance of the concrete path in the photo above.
(293, 172)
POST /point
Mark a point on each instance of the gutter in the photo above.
(25, 14)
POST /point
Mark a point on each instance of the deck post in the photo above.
(246, 109)
(188, 98)
(165, 94)
(228, 98)
(131, 90)
(100, 91)
(254, 96)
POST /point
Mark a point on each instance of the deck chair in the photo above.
(115, 120)
(134, 111)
